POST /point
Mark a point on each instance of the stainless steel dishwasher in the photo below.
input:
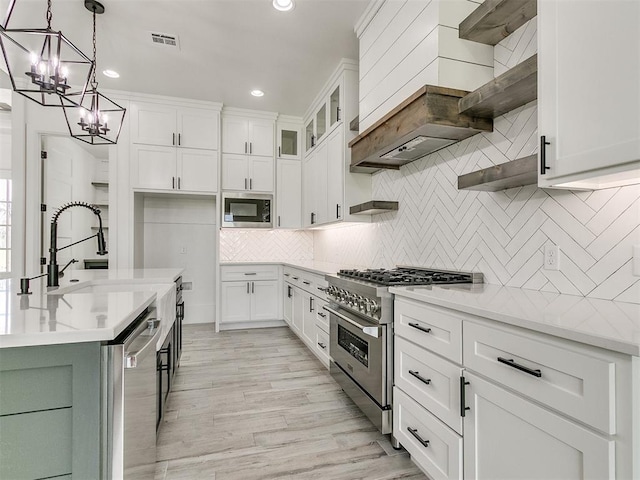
(129, 415)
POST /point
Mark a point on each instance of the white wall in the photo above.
(408, 44)
(179, 231)
(500, 234)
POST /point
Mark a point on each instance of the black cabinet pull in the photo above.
(278, 220)
(522, 368)
(337, 210)
(543, 154)
(311, 307)
(295, 278)
(247, 287)
(414, 432)
(178, 183)
(179, 139)
(289, 291)
(463, 399)
(338, 114)
(322, 345)
(420, 327)
(245, 147)
(173, 142)
(250, 147)
(173, 182)
(306, 283)
(279, 154)
(323, 315)
(313, 218)
(420, 377)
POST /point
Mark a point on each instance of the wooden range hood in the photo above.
(425, 122)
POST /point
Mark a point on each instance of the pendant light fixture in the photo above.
(43, 65)
(96, 119)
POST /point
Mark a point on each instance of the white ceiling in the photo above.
(227, 47)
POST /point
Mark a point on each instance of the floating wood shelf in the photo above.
(373, 207)
(495, 20)
(517, 173)
(425, 122)
(100, 184)
(514, 88)
(354, 125)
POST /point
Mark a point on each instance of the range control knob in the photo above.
(375, 309)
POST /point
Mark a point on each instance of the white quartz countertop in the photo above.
(63, 315)
(601, 323)
(321, 268)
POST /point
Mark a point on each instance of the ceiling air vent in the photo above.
(162, 39)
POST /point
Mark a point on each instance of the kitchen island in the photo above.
(51, 376)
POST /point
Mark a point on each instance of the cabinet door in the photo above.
(153, 167)
(153, 124)
(335, 107)
(335, 176)
(261, 174)
(309, 318)
(309, 135)
(288, 138)
(261, 137)
(508, 437)
(589, 92)
(197, 128)
(308, 195)
(264, 300)
(235, 135)
(319, 180)
(321, 122)
(197, 170)
(289, 194)
(235, 175)
(298, 310)
(288, 303)
(236, 305)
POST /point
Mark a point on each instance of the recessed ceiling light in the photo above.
(283, 5)
(111, 73)
(257, 93)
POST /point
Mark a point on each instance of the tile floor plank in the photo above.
(256, 405)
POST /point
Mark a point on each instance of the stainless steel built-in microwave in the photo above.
(247, 210)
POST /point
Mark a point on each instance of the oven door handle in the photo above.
(371, 331)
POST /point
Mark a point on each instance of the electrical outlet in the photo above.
(636, 261)
(551, 257)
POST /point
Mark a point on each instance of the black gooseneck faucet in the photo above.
(53, 269)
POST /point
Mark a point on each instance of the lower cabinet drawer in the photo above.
(321, 346)
(435, 328)
(433, 446)
(570, 380)
(431, 380)
(235, 273)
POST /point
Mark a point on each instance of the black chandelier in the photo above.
(94, 118)
(43, 65)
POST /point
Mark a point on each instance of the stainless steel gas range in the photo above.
(361, 331)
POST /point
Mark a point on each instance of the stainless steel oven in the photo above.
(247, 210)
(359, 349)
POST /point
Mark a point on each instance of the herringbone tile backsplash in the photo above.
(239, 245)
(500, 234)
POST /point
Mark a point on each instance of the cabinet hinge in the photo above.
(43, 207)
(43, 155)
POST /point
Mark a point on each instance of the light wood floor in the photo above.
(256, 404)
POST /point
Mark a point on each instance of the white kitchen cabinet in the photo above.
(169, 168)
(309, 318)
(247, 136)
(506, 436)
(247, 173)
(289, 138)
(157, 124)
(314, 171)
(287, 304)
(589, 93)
(329, 187)
(289, 193)
(250, 294)
(335, 175)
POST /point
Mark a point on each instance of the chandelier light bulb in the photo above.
(64, 72)
(34, 58)
(283, 5)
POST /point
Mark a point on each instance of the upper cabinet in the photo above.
(248, 160)
(247, 136)
(158, 124)
(174, 148)
(329, 188)
(289, 140)
(589, 93)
